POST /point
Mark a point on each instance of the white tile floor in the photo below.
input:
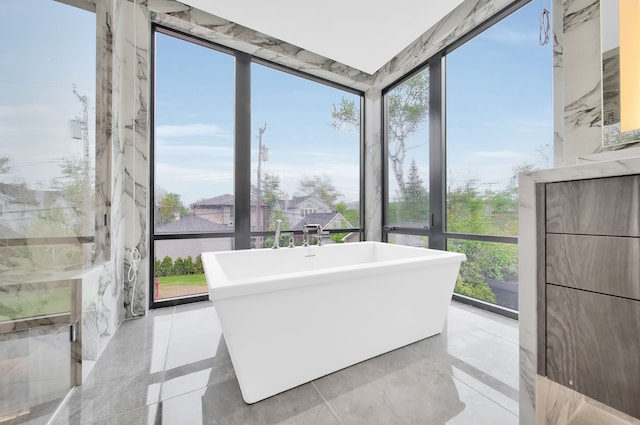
(172, 367)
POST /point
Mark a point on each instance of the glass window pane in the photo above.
(408, 240)
(305, 153)
(47, 130)
(193, 147)
(407, 130)
(490, 273)
(178, 266)
(289, 238)
(499, 122)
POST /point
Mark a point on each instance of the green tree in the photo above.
(352, 215)
(179, 267)
(269, 194)
(169, 207)
(407, 108)
(415, 198)
(347, 115)
(189, 267)
(76, 186)
(320, 186)
(198, 268)
(279, 215)
(166, 267)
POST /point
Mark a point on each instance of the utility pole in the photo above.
(85, 228)
(84, 127)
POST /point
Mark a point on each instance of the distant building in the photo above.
(297, 208)
(220, 209)
(330, 220)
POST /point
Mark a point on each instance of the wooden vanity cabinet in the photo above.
(591, 320)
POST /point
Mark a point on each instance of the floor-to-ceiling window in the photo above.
(47, 169)
(491, 120)
(240, 145)
(193, 162)
(407, 154)
(305, 165)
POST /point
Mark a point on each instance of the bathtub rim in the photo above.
(224, 288)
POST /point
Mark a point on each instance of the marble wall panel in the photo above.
(135, 31)
(104, 72)
(582, 97)
(527, 299)
(373, 165)
(467, 16)
(558, 84)
(99, 314)
(175, 15)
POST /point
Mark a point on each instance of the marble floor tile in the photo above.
(480, 410)
(500, 326)
(195, 335)
(399, 387)
(484, 350)
(173, 367)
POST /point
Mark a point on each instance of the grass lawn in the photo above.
(187, 279)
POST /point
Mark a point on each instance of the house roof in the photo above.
(322, 219)
(192, 224)
(222, 200)
(297, 200)
(18, 193)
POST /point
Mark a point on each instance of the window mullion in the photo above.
(242, 151)
(436, 153)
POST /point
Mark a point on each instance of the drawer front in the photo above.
(608, 206)
(593, 346)
(610, 265)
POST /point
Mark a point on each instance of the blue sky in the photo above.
(195, 125)
(499, 104)
(495, 120)
(499, 101)
(39, 69)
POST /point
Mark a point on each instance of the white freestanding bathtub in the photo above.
(291, 315)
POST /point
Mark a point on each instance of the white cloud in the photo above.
(190, 130)
(195, 151)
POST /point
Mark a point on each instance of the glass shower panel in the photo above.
(47, 170)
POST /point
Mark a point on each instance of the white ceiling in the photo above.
(364, 34)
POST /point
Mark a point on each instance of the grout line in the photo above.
(497, 403)
(166, 353)
(327, 402)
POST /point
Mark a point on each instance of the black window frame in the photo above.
(242, 233)
(436, 232)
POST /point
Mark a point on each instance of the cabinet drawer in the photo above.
(593, 341)
(607, 206)
(610, 265)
